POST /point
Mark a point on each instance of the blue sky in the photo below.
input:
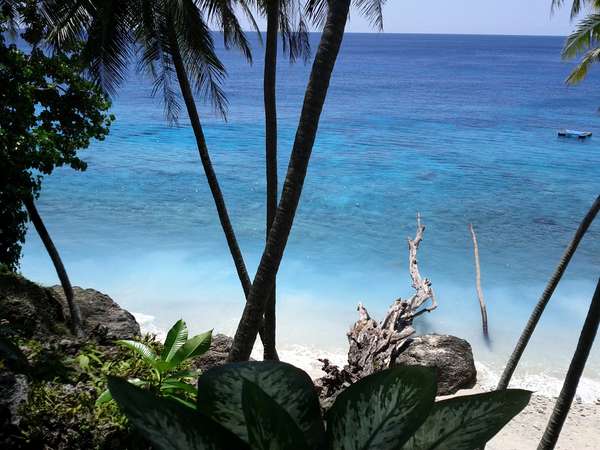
(531, 17)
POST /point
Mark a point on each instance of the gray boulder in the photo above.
(451, 356)
(27, 309)
(216, 355)
(103, 318)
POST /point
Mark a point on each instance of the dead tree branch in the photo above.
(484, 320)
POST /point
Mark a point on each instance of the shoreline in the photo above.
(307, 357)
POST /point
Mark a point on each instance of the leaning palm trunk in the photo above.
(565, 398)
(269, 89)
(545, 298)
(76, 323)
(213, 183)
(314, 99)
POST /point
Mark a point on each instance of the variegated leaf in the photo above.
(381, 411)
(465, 423)
(220, 396)
(270, 427)
(169, 425)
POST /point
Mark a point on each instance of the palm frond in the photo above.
(10, 12)
(579, 73)
(372, 10)
(585, 36)
(205, 70)
(156, 61)
(106, 28)
(316, 11)
(294, 31)
(222, 13)
(576, 6)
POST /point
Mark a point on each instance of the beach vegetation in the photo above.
(48, 112)
(167, 374)
(269, 404)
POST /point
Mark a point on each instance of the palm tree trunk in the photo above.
(34, 216)
(547, 294)
(269, 90)
(314, 98)
(563, 403)
(213, 183)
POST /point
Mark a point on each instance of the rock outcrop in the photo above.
(32, 311)
(452, 358)
(103, 318)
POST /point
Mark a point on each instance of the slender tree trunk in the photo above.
(565, 398)
(76, 323)
(213, 183)
(314, 98)
(484, 319)
(269, 90)
(547, 294)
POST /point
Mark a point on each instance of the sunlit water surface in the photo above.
(459, 128)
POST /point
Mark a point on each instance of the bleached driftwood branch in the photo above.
(484, 320)
(373, 346)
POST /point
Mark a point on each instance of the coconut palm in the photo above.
(567, 393)
(283, 17)
(583, 41)
(172, 41)
(546, 295)
(314, 99)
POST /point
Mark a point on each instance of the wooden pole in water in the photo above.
(484, 320)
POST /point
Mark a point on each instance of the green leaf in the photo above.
(195, 346)
(465, 423)
(171, 384)
(143, 350)
(169, 425)
(220, 396)
(270, 427)
(381, 411)
(106, 396)
(176, 337)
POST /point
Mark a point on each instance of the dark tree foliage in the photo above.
(48, 111)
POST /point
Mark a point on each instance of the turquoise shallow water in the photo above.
(459, 128)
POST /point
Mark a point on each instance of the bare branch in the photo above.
(484, 321)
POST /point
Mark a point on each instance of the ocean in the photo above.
(462, 129)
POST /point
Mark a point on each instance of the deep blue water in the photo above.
(459, 128)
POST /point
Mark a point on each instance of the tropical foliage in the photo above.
(48, 111)
(267, 405)
(583, 42)
(166, 374)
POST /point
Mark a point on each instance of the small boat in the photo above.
(574, 134)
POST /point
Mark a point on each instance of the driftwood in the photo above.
(373, 345)
(484, 319)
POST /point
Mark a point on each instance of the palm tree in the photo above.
(567, 393)
(583, 41)
(283, 16)
(546, 295)
(172, 40)
(34, 216)
(314, 99)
